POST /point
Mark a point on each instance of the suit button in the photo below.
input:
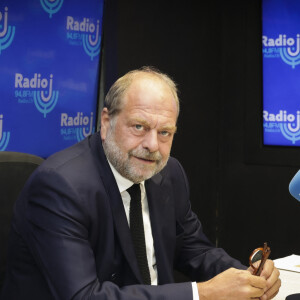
(113, 276)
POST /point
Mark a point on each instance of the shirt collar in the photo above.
(122, 182)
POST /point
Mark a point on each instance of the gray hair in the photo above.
(114, 98)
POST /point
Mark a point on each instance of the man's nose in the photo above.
(150, 141)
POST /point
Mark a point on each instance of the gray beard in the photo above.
(121, 161)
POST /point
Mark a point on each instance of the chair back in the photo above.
(15, 168)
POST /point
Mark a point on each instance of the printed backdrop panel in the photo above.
(49, 62)
(281, 72)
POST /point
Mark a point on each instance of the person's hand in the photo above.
(233, 284)
(271, 274)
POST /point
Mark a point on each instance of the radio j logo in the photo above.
(51, 6)
(76, 127)
(288, 48)
(287, 124)
(7, 32)
(86, 33)
(4, 136)
(38, 90)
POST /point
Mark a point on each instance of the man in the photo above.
(74, 230)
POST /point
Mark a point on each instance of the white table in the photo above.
(290, 284)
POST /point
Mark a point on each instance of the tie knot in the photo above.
(135, 191)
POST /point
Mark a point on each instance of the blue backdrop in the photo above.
(49, 65)
(281, 72)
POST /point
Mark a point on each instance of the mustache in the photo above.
(145, 154)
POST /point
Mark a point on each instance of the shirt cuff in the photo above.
(195, 291)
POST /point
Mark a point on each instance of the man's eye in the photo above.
(138, 127)
(165, 133)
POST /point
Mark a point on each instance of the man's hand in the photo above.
(233, 284)
(271, 274)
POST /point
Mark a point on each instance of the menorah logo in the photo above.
(82, 133)
(289, 132)
(8, 32)
(45, 104)
(91, 43)
(4, 136)
(51, 6)
(289, 49)
(289, 57)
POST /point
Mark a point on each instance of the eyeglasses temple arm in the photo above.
(266, 254)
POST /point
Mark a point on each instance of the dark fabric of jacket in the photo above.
(70, 238)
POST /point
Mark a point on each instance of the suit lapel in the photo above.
(163, 226)
(119, 215)
(122, 229)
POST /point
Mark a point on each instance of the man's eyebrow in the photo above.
(171, 128)
(140, 121)
(167, 127)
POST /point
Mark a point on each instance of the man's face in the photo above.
(138, 141)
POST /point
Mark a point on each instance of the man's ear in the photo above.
(105, 124)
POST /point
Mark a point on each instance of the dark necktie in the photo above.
(137, 231)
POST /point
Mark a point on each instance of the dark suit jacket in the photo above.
(70, 238)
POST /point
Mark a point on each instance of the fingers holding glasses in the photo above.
(261, 266)
(273, 281)
(232, 284)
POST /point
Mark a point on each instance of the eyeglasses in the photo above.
(261, 254)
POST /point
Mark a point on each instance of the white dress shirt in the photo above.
(123, 185)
